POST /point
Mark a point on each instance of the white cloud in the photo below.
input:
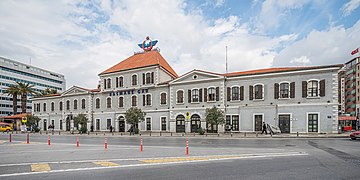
(303, 60)
(350, 6)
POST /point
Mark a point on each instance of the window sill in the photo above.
(211, 101)
(234, 101)
(258, 99)
(313, 97)
(195, 102)
(284, 98)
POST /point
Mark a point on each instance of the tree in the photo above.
(134, 116)
(24, 90)
(82, 120)
(214, 116)
(49, 91)
(13, 91)
(32, 121)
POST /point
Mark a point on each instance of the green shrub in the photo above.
(83, 129)
(201, 131)
(136, 130)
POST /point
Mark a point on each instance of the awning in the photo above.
(347, 118)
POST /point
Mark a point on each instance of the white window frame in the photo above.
(136, 100)
(148, 72)
(84, 103)
(151, 123)
(77, 104)
(66, 105)
(192, 94)
(119, 101)
(291, 120)
(122, 80)
(107, 83)
(207, 94)
(107, 102)
(263, 92)
(146, 99)
(99, 103)
(52, 110)
(183, 98)
(307, 121)
(289, 92)
(165, 98)
(137, 79)
(166, 120)
(263, 119)
(318, 88)
(231, 93)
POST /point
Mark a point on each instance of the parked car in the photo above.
(5, 127)
(355, 135)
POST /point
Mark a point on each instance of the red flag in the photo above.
(355, 51)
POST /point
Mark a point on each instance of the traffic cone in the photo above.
(106, 143)
(49, 140)
(187, 147)
(77, 141)
(141, 145)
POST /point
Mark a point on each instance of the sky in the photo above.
(80, 39)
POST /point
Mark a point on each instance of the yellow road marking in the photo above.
(180, 159)
(106, 163)
(40, 167)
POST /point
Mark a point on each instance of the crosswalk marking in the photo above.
(106, 163)
(40, 167)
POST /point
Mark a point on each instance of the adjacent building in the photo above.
(297, 99)
(12, 71)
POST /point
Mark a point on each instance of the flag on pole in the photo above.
(355, 51)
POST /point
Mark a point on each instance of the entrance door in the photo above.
(121, 124)
(180, 123)
(195, 123)
(258, 122)
(284, 123)
(67, 124)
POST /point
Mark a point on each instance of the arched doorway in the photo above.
(180, 123)
(121, 124)
(195, 123)
(68, 123)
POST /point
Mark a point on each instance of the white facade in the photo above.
(13, 71)
(301, 100)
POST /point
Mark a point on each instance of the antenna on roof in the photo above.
(226, 63)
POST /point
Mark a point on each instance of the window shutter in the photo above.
(143, 78)
(200, 95)
(304, 89)
(189, 96)
(205, 94)
(144, 100)
(276, 91)
(241, 93)
(251, 95)
(152, 77)
(104, 83)
(228, 93)
(322, 88)
(292, 90)
(117, 82)
(217, 94)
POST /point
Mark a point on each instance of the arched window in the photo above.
(284, 90)
(163, 98)
(121, 81)
(52, 106)
(133, 101)
(75, 104)
(235, 93)
(134, 80)
(83, 104)
(313, 88)
(44, 107)
(258, 93)
(108, 83)
(180, 96)
(60, 105)
(195, 95)
(211, 94)
(108, 102)
(148, 78)
(121, 102)
(67, 105)
(97, 103)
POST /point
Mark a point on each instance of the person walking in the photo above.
(111, 128)
(264, 128)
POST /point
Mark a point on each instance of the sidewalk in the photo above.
(206, 135)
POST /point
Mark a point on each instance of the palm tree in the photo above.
(24, 90)
(13, 91)
(49, 91)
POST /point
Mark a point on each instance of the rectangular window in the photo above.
(108, 123)
(148, 124)
(134, 80)
(98, 124)
(148, 99)
(180, 97)
(195, 95)
(211, 94)
(312, 89)
(284, 90)
(148, 78)
(163, 123)
(235, 123)
(52, 106)
(313, 122)
(44, 106)
(121, 81)
(235, 93)
(61, 106)
(121, 102)
(133, 101)
(163, 98)
(258, 92)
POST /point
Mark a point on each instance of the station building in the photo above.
(297, 99)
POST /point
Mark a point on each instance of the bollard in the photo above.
(59, 133)
(112, 133)
(182, 134)
(256, 134)
(10, 138)
(194, 134)
(150, 133)
(27, 139)
(271, 134)
(171, 133)
(104, 134)
(245, 134)
(52, 132)
(88, 132)
(106, 143)
(187, 148)
(77, 141)
(96, 133)
(297, 134)
(231, 134)
(40, 132)
(218, 134)
(160, 133)
(120, 134)
(46, 132)
(49, 140)
(140, 134)
(12, 132)
(15, 132)
(141, 145)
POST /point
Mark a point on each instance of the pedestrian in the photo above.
(264, 128)
(92, 128)
(111, 128)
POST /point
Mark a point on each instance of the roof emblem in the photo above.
(148, 44)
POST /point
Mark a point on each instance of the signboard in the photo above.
(148, 44)
(128, 92)
(347, 118)
(24, 119)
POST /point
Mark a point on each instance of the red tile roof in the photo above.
(144, 59)
(17, 116)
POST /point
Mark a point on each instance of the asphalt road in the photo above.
(165, 158)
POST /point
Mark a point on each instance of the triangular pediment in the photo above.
(197, 75)
(75, 90)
